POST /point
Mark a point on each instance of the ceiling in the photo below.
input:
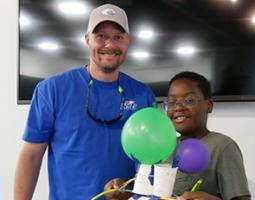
(209, 27)
(205, 23)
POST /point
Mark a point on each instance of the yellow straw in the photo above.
(127, 182)
(119, 189)
(197, 184)
(104, 193)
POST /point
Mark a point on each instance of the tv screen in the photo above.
(213, 38)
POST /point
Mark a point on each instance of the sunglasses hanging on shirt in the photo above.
(99, 119)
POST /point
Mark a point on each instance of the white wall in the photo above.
(12, 116)
(234, 119)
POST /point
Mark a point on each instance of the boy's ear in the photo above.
(209, 106)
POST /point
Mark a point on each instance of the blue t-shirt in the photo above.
(83, 153)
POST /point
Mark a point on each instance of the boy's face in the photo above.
(188, 108)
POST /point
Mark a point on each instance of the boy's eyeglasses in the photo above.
(186, 102)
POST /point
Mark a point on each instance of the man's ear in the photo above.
(209, 105)
(87, 39)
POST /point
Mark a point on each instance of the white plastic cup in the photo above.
(141, 198)
(164, 178)
(142, 184)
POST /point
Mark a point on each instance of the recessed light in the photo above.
(72, 8)
(186, 50)
(145, 34)
(23, 21)
(48, 46)
(140, 54)
(253, 19)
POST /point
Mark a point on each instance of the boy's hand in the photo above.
(197, 196)
(116, 184)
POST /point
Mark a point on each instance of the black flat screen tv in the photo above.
(213, 38)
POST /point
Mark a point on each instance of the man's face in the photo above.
(189, 114)
(108, 46)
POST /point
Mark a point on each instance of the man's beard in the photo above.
(109, 69)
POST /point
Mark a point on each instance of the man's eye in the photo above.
(100, 36)
(118, 37)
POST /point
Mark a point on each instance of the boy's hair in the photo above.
(201, 81)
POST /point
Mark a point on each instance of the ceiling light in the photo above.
(82, 39)
(23, 21)
(186, 50)
(145, 34)
(140, 54)
(48, 46)
(253, 19)
(72, 8)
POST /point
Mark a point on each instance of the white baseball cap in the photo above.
(108, 12)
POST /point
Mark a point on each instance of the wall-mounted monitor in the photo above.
(214, 38)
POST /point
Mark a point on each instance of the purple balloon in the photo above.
(193, 156)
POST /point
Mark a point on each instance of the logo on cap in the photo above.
(108, 12)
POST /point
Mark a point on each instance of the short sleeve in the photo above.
(151, 98)
(40, 122)
(231, 173)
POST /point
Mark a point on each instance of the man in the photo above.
(188, 104)
(78, 115)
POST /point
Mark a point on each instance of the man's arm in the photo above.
(28, 169)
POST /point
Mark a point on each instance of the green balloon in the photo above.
(149, 136)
